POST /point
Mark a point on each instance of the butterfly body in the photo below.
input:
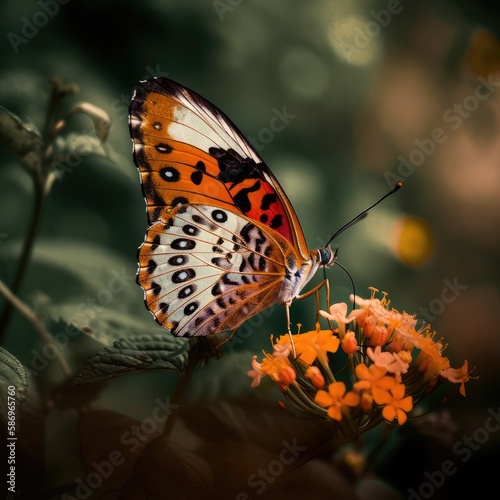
(224, 242)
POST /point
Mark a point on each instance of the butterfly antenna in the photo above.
(337, 263)
(364, 213)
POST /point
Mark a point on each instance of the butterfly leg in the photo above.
(325, 283)
(288, 324)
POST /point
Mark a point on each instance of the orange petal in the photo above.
(362, 385)
(389, 413)
(406, 404)
(386, 382)
(334, 413)
(351, 399)
(398, 391)
(362, 371)
(381, 396)
(337, 390)
(323, 399)
(401, 417)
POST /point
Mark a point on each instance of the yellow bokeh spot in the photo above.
(413, 242)
(355, 39)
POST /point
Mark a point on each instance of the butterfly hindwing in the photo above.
(208, 269)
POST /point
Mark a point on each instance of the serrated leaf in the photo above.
(23, 140)
(12, 374)
(103, 324)
(136, 355)
(11, 369)
(226, 377)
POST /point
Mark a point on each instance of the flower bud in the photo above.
(315, 376)
(287, 375)
(349, 342)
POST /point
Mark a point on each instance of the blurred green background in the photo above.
(373, 87)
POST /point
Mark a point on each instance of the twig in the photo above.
(37, 325)
(180, 390)
(24, 258)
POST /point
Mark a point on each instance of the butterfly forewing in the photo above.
(188, 151)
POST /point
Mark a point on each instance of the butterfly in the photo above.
(224, 242)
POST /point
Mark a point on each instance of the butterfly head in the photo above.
(326, 256)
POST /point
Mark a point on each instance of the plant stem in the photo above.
(25, 257)
(179, 394)
(37, 325)
(58, 91)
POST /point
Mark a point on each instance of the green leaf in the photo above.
(90, 272)
(23, 140)
(103, 323)
(12, 375)
(136, 355)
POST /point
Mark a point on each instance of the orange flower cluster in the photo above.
(392, 365)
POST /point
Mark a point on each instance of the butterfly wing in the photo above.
(188, 151)
(223, 234)
(209, 269)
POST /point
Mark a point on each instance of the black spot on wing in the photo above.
(170, 174)
(228, 281)
(262, 263)
(163, 148)
(156, 242)
(190, 230)
(187, 291)
(183, 244)
(267, 199)
(216, 289)
(178, 201)
(197, 175)
(219, 216)
(183, 275)
(233, 168)
(177, 260)
(191, 308)
(276, 221)
(151, 266)
(241, 199)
